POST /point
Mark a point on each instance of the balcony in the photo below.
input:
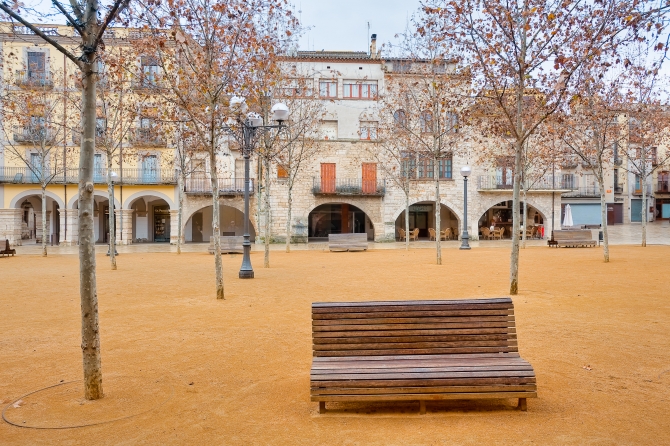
(33, 79)
(351, 187)
(23, 175)
(592, 191)
(36, 135)
(227, 186)
(662, 187)
(618, 189)
(148, 137)
(546, 183)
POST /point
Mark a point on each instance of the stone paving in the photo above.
(658, 233)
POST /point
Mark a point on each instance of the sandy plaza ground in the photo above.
(181, 367)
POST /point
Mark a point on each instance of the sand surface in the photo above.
(185, 368)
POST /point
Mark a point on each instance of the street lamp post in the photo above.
(465, 171)
(113, 177)
(250, 125)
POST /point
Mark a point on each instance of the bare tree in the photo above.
(206, 55)
(90, 19)
(430, 93)
(35, 129)
(534, 48)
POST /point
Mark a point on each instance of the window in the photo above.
(298, 88)
(451, 122)
(328, 89)
(426, 122)
(281, 172)
(98, 168)
(100, 126)
(150, 70)
(36, 66)
(408, 165)
(368, 130)
(444, 165)
(400, 118)
(146, 123)
(426, 168)
(359, 90)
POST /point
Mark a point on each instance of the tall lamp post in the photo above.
(250, 125)
(465, 171)
(113, 177)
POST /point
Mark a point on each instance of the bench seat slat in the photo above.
(444, 331)
(397, 308)
(425, 396)
(382, 303)
(417, 351)
(500, 380)
(321, 373)
(412, 320)
(388, 345)
(401, 314)
(411, 390)
(389, 363)
(442, 338)
(422, 375)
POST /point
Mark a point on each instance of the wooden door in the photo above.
(328, 178)
(369, 178)
(614, 213)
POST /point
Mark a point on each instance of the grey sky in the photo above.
(342, 24)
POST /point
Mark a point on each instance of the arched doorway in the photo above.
(100, 218)
(500, 216)
(151, 219)
(198, 227)
(338, 218)
(30, 204)
(422, 217)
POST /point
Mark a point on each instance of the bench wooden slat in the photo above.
(425, 396)
(411, 320)
(419, 357)
(6, 249)
(412, 390)
(443, 331)
(412, 345)
(501, 380)
(580, 238)
(229, 244)
(422, 313)
(416, 351)
(443, 338)
(451, 303)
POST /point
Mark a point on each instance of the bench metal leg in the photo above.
(522, 404)
(322, 407)
(422, 407)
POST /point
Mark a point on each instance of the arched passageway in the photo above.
(500, 216)
(151, 219)
(100, 218)
(31, 218)
(422, 217)
(338, 218)
(198, 227)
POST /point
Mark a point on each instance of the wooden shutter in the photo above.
(369, 178)
(281, 172)
(328, 178)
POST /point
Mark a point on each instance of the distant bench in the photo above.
(348, 242)
(5, 249)
(574, 239)
(229, 244)
(423, 350)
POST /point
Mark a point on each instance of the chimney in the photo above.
(373, 46)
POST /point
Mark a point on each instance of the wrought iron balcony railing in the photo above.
(36, 135)
(30, 78)
(148, 137)
(348, 186)
(227, 186)
(662, 187)
(24, 175)
(592, 191)
(548, 183)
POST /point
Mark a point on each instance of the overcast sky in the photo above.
(343, 24)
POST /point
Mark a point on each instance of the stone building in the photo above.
(340, 190)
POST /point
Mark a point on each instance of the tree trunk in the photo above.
(603, 218)
(288, 218)
(407, 221)
(180, 210)
(643, 178)
(90, 334)
(438, 209)
(112, 234)
(266, 263)
(525, 218)
(44, 220)
(216, 231)
(514, 257)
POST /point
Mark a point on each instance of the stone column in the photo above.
(124, 226)
(174, 227)
(38, 226)
(10, 225)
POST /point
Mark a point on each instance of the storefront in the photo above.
(162, 224)
(338, 218)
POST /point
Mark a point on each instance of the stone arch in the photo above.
(239, 211)
(485, 204)
(365, 205)
(450, 205)
(127, 203)
(96, 193)
(398, 216)
(18, 199)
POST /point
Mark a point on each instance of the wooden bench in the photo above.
(5, 249)
(348, 242)
(572, 239)
(229, 244)
(417, 351)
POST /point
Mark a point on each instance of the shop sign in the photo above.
(420, 208)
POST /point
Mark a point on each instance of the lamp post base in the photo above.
(246, 274)
(465, 238)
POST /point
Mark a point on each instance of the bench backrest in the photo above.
(351, 237)
(573, 235)
(428, 327)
